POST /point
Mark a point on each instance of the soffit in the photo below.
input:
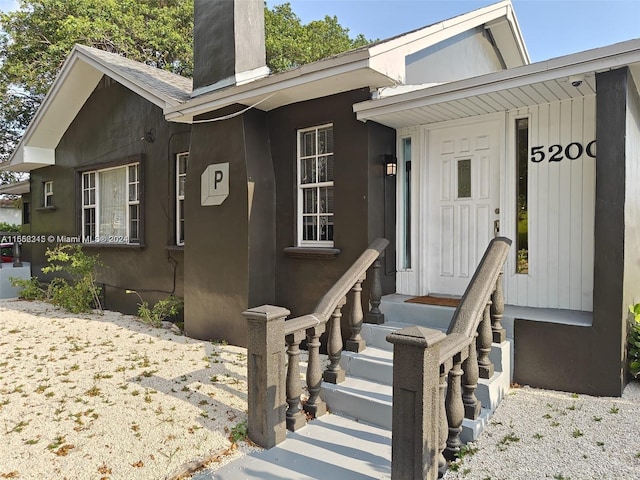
(539, 83)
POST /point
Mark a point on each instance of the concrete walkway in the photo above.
(330, 447)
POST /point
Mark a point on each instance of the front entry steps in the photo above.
(366, 393)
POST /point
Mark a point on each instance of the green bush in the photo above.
(162, 310)
(633, 338)
(9, 227)
(29, 288)
(80, 293)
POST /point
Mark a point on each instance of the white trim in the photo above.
(380, 64)
(596, 60)
(47, 193)
(128, 203)
(314, 186)
(179, 197)
(239, 78)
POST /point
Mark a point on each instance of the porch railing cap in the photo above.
(416, 336)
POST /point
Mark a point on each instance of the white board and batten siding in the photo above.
(561, 205)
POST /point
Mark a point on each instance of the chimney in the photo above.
(228, 43)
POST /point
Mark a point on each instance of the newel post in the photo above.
(415, 444)
(265, 375)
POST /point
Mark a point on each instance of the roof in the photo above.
(536, 83)
(77, 79)
(376, 65)
(17, 188)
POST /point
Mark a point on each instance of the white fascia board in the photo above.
(389, 57)
(508, 37)
(72, 87)
(25, 159)
(17, 188)
(61, 105)
(39, 156)
(247, 93)
(427, 36)
(597, 60)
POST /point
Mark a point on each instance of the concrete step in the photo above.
(360, 399)
(366, 394)
(331, 446)
(491, 391)
(372, 363)
(471, 429)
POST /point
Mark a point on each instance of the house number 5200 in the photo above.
(557, 153)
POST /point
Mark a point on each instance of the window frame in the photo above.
(180, 198)
(301, 187)
(47, 192)
(135, 182)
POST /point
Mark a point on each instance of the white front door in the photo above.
(464, 202)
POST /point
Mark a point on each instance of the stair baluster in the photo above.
(470, 383)
(356, 343)
(375, 315)
(455, 409)
(483, 342)
(314, 405)
(334, 372)
(497, 311)
(295, 418)
(443, 428)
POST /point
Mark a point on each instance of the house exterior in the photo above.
(515, 152)
(110, 148)
(245, 188)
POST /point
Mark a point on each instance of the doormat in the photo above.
(433, 300)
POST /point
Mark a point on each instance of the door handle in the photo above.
(496, 228)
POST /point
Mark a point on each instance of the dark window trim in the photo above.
(49, 209)
(320, 253)
(121, 162)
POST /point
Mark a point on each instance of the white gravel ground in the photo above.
(539, 434)
(108, 397)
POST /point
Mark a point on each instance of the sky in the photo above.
(551, 28)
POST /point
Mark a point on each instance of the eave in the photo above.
(538, 83)
(77, 79)
(374, 66)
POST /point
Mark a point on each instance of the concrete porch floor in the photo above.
(331, 447)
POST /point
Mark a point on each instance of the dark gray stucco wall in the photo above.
(229, 247)
(109, 130)
(358, 202)
(591, 359)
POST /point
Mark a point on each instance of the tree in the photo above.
(290, 44)
(36, 39)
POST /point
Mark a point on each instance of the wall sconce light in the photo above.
(390, 165)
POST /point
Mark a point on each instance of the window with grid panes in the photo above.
(315, 186)
(111, 205)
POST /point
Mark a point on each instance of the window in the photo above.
(522, 215)
(181, 175)
(405, 217)
(315, 186)
(464, 178)
(111, 205)
(48, 194)
(26, 212)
